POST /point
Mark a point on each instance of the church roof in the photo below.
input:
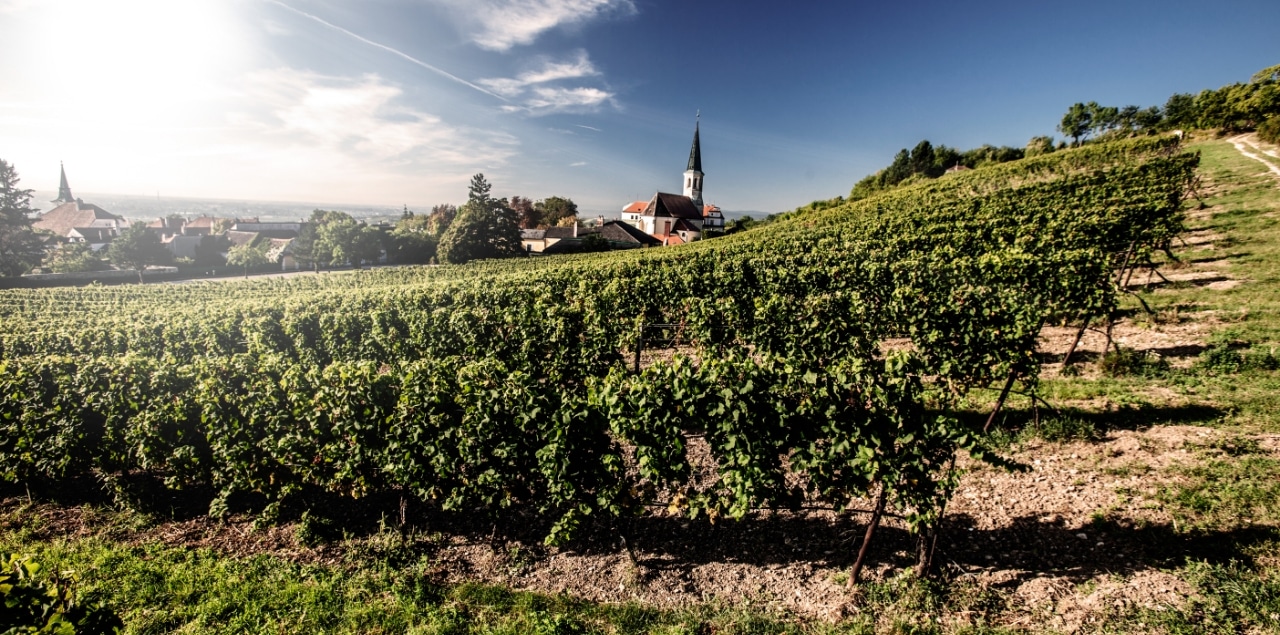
(672, 205)
(695, 153)
(64, 190)
(68, 216)
(636, 207)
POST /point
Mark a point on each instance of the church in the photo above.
(75, 221)
(678, 218)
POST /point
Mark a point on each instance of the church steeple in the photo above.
(64, 190)
(695, 153)
(693, 175)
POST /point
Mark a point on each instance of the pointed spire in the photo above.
(64, 190)
(695, 153)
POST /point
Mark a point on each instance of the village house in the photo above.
(75, 221)
(674, 219)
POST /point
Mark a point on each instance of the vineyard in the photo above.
(825, 360)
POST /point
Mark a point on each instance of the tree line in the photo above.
(1238, 107)
(483, 227)
(1234, 108)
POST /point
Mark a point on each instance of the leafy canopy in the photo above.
(137, 248)
(484, 228)
(20, 247)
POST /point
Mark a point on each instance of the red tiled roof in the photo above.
(67, 216)
(636, 207)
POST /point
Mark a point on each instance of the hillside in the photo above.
(1149, 503)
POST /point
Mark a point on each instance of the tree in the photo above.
(346, 240)
(1039, 145)
(922, 157)
(1078, 121)
(412, 242)
(247, 255)
(20, 247)
(1269, 130)
(527, 214)
(739, 225)
(484, 228)
(137, 248)
(1269, 74)
(75, 258)
(944, 157)
(1105, 118)
(900, 169)
(556, 208)
(1149, 119)
(441, 217)
(209, 250)
(308, 248)
(1180, 111)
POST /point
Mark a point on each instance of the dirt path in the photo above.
(1245, 142)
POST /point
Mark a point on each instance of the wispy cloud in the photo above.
(576, 68)
(577, 164)
(592, 129)
(362, 120)
(498, 25)
(548, 98)
(384, 47)
(532, 94)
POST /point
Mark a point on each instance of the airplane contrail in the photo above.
(406, 56)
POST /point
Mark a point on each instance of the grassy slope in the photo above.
(1230, 489)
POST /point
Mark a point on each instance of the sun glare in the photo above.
(133, 62)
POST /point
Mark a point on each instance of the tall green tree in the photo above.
(20, 247)
(308, 248)
(412, 241)
(74, 258)
(555, 209)
(138, 248)
(248, 256)
(1180, 111)
(347, 240)
(922, 158)
(1078, 121)
(484, 228)
(441, 217)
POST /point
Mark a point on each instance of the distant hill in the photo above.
(149, 207)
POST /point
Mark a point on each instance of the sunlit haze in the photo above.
(391, 102)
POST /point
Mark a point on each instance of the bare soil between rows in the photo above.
(1079, 534)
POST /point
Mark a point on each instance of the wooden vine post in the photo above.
(876, 515)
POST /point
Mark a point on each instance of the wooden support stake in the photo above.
(1004, 394)
(639, 347)
(1076, 342)
(866, 539)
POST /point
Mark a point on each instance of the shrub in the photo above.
(1127, 361)
(1269, 130)
(52, 607)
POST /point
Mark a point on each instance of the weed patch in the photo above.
(1243, 488)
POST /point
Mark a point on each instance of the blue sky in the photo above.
(392, 102)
